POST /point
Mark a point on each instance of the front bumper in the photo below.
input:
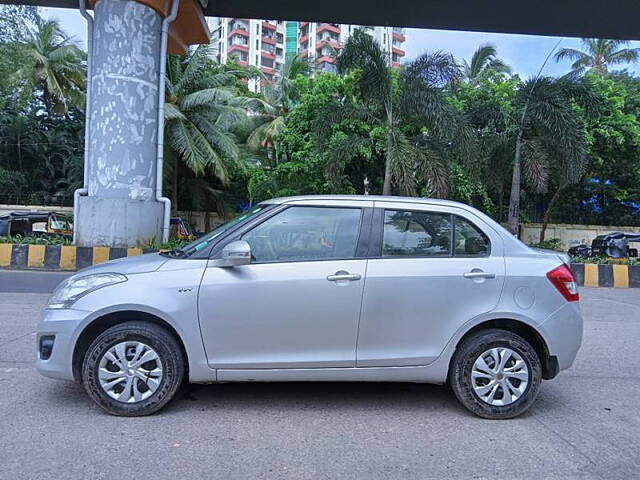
(64, 325)
(562, 331)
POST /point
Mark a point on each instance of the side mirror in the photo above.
(233, 255)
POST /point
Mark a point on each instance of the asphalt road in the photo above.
(17, 281)
(585, 424)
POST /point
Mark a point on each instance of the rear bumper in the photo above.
(562, 332)
(63, 325)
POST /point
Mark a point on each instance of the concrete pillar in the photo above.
(120, 208)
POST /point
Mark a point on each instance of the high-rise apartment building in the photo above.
(321, 41)
(266, 44)
(260, 43)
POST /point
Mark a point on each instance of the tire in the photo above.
(145, 388)
(475, 393)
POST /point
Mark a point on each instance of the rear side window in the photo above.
(417, 234)
(470, 241)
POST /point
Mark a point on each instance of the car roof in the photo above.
(379, 198)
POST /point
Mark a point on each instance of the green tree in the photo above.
(54, 66)
(305, 167)
(599, 54)
(609, 194)
(548, 131)
(483, 60)
(279, 99)
(15, 21)
(388, 99)
(202, 107)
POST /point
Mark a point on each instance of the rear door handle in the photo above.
(478, 274)
(343, 276)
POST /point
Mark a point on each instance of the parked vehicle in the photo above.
(179, 229)
(322, 288)
(614, 245)
(36, 224)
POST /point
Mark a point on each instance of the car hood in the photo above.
(149, 262)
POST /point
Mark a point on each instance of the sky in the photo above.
(524, 53)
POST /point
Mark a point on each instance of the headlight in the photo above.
(72, 289)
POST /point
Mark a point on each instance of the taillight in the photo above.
(563, 279)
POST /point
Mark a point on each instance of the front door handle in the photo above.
(343, 276)
(476, 274)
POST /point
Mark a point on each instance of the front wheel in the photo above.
(496, 374)
(133, 369)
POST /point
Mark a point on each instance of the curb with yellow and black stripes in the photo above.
(612, 276)
(60, 257)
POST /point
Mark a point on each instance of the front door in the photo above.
(297, 305)
(436, 269)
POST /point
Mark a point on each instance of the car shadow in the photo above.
(314, 395)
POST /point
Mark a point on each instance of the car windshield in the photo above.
(205, 240)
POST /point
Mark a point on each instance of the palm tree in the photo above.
(548, 135)
(483, 61)
(201, 108)
(54, 65)
(599, 54)
(279, 99)
(418, 95)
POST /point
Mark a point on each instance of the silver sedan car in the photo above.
(322, 288)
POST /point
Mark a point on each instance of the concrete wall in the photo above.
(569, 235)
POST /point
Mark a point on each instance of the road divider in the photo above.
(60, 257)
(604, 275)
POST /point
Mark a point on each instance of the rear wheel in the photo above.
(133, 369)
(496, 374)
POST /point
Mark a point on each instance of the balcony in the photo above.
(268, 40)
(328, 27)
(268, 25)
(267, 70)
(397, 51)
(395, 64)
(330, 43)
(303, 39)
(238, 48)
(399, 36)
(238, 41)
(268, 55)
(234, 24)
(238, 31)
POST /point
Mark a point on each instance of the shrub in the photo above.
(551, 244)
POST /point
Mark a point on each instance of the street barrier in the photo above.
(60, 257)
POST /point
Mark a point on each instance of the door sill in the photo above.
(337, 374)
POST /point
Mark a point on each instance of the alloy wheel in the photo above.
(499, 376)
(130, 372)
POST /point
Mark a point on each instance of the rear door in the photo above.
(431, 269)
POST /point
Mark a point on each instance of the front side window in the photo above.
(418, 234)
(304, 234)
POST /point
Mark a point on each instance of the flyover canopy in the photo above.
(616, 19)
